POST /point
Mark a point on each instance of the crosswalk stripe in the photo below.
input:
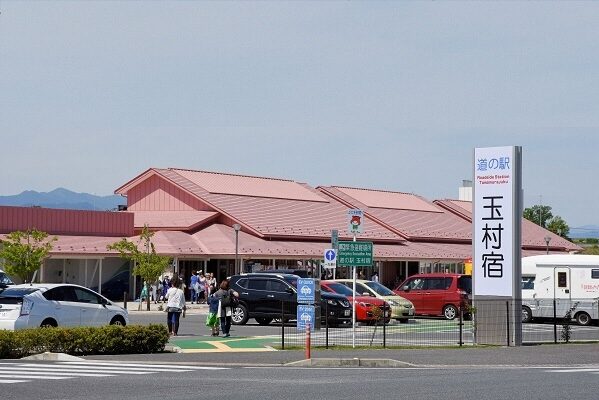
(115, 370)
(169, 367)
(576, 370)
(58, 372)
(23, 376)
(11, 381)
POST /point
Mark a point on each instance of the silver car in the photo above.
(56, 304)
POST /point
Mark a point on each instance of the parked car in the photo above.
(51, 305)
(401, 309)
(437, 294)
(5, 281)
(368, 309)
(266, 296)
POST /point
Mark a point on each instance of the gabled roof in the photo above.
(270, 208)
(533, 236)
(409, 215)
(172, 220)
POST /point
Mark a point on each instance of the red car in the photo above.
(368, 309)
(437, 294)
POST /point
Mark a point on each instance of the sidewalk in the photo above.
(572, 355)
(133, 307)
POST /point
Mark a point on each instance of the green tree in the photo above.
(538, 214)
(147, 264)
(558, 226)
(24, 252)
(592, 250)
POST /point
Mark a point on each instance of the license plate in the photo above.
(347, 312)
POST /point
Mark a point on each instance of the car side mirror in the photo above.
(289, 290)
(104, 302)
(406, 288)
(366, 294)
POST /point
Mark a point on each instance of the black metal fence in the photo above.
(483, 322)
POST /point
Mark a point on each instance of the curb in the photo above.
(350, 362)
(47, 356)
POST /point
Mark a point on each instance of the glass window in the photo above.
(595, 273)
(435, 284)
(340, 289)
(17, 292)
(242, 283)
(415, 284)
(465, 283)
(85, 296)
(562, 280)
(528, 282)
(276, 286)
(380, 289)
(61, 294)
(257, 284)
(5, 280)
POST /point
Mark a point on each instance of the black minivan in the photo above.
(266, 296)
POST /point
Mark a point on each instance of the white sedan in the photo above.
(56, 304)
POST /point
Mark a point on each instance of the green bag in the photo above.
(211, 320)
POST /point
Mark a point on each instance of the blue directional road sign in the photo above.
(305, 316)
(306, 289)
(330, 258)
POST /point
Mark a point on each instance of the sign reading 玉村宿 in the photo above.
(497, 220)
(355, 254)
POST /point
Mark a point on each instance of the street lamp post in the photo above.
(547, 240)
(237, 227)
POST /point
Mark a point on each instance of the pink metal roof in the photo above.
(282, 216)
(386, 199)
(252, 186)
(182, 220)
(412, 224)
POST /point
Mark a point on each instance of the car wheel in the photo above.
(583, 319)
(264, 321)
(240, 315)
(118, 320)
(48, 323)
(526, 314)
(450, 312)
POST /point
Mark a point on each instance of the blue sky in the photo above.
(389, 95)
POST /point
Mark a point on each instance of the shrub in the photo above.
(131, 339)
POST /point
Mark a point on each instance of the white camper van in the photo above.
(571, 280)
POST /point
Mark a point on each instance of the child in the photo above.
(212, 320)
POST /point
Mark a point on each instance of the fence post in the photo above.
(326, 324)
(554, 322)
(282, 325)
(507, 308)
(385, 325)
(461, 324)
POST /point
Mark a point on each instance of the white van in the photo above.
(572, 280)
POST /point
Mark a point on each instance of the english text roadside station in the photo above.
(355, 254)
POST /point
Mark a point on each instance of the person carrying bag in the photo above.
(175, 306)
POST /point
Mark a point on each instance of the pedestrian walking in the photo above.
(202, 295)
(227, 300)
(174, 307)
(212, 319)
(194, 287)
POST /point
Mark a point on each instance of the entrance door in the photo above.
(562, 292)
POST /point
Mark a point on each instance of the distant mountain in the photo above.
(585, 231)
(63, 198)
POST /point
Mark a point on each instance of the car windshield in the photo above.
(465, 283)
(5, 280)
(340, 289)
(16, 292)
(379, 289)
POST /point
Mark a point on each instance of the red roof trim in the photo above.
(122, 190)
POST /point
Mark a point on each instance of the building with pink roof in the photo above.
(284, 224)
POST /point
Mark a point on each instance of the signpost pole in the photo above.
(353, 317)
